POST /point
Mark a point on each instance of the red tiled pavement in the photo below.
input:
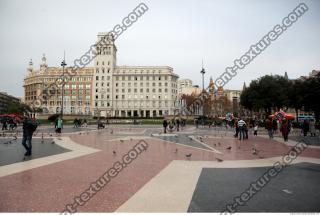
(50, 188)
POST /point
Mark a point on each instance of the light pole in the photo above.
(63, 64)
(202, 73)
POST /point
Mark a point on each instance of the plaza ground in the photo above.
(193, 170)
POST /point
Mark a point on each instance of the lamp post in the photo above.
(202, 73)
(63, 64)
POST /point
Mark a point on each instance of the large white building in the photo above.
(131, 91)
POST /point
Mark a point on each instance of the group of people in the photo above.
(309, 126)
(11, 122)
(79, 122)
(241, 128)
(173, 123)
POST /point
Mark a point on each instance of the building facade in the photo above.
(77, 89)
(106, 89)
(5, 100)
(131, 91)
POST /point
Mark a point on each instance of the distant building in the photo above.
(182, 84)
(5, 100)
(131, 91)
(106, 89)
(77, 90)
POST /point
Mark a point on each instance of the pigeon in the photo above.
(130, 139)
(176, 151)
(219, 160)
(52, 142)
(121, 141)
(255, 151)
(219, 144)
(229, 148)
(50, 135)
(80, 133)
(189, 155)
(114, 152)
(215, 145)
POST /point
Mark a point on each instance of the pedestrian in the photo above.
(305, 127)
(246, 129)
(178, 124)
(59, 125)
(75, 123)
(285, 129)
(241, 126)
(85, 124)
(196, 122)
(312, 128)
(274, 125)
(165, 125)
(268, 126)
(255, 130)
(4, 124)
(28, 127)
(237, 128)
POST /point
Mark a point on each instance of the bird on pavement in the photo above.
(114, 152)
(52, 142)
(255, 151)
(215, 145)
(229, 148)
(121, 141)
(219, 144)
(189, 155)
(219, 160)
(176, 151)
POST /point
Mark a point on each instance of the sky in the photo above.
(176, 33)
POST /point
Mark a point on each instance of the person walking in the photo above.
(28, 127)
(237, 128)
(241, 126)
(268, 126)
(59, 125)
(255, 130)
(285, 129)
(165, 125)
(312, 128)
(305, 127)
(178, 124)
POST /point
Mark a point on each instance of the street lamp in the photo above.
(63, 64)
(202, 73)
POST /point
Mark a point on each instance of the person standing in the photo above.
(165, 125)
(312, 128)
(237, 128)
(178, 124)
(305, 127)
(59, 125)
(28, 128)
(285, 129)
(268, 126)
(241, 126)
(255, 130)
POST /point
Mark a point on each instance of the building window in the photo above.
(97, 78)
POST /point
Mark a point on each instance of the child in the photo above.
(255, 129)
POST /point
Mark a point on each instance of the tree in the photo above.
(266, 93)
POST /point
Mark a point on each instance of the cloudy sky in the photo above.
(172, 33)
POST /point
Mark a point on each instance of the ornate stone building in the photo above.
(106, 89)
(77, 90)
(131, 91)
